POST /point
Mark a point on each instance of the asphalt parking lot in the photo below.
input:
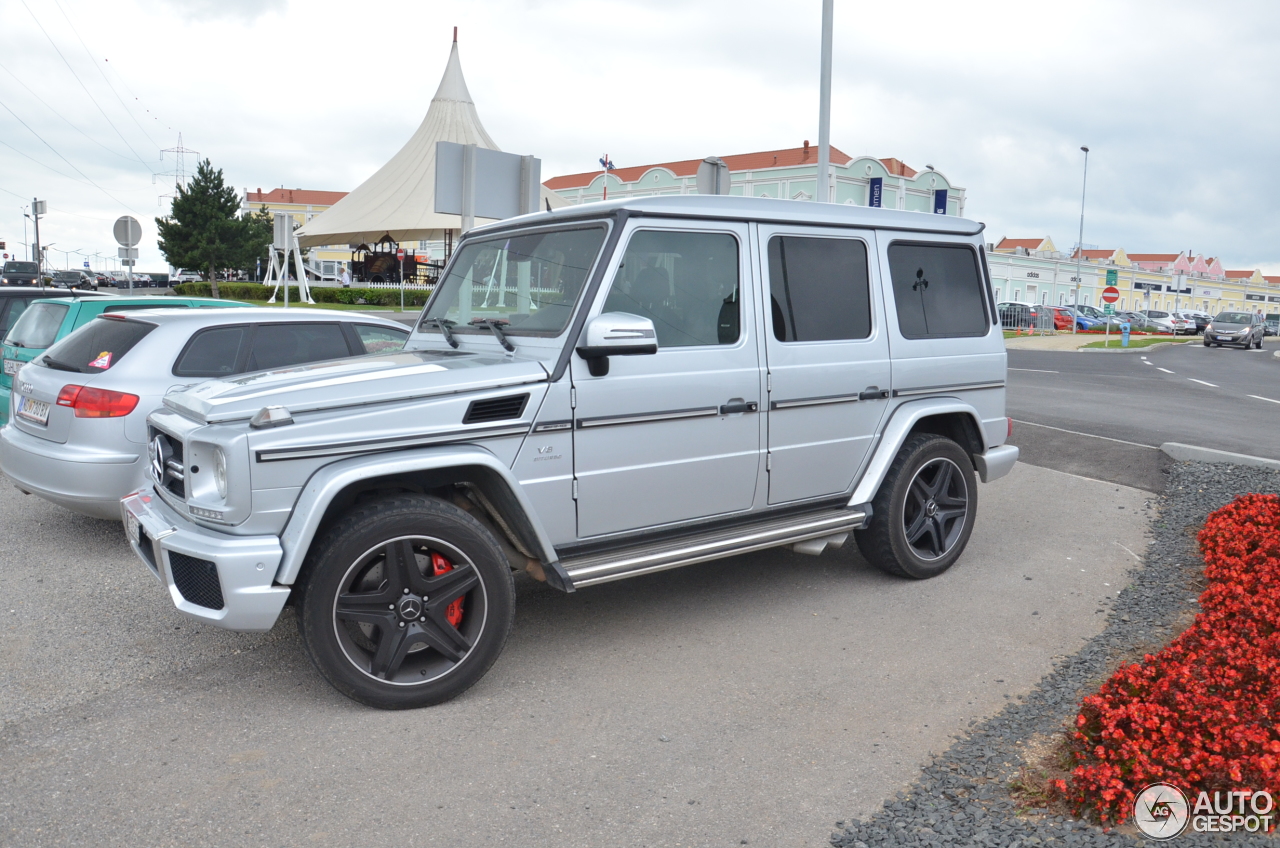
(758, 699)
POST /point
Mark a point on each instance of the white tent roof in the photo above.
(399, 199)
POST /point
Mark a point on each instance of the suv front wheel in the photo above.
(923, 514)
(406, 602)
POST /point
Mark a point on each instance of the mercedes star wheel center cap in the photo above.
(931, 508)
(410, 608)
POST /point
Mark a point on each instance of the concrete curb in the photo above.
(1192, 453)
(1142, 349)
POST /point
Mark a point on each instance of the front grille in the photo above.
(168, 469)
(495, 409)
(197, 580)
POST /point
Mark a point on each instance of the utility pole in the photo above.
(822, 193)
(38, 209)
(1075, 327)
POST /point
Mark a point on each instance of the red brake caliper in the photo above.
(440, 565)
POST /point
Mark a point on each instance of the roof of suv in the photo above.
(212, 316)
(751, 209)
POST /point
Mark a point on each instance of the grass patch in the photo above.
(1145, 341)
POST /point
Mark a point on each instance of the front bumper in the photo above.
(211, 568)
(87, 479)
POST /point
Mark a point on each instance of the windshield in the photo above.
(1234, 318)
(20, 268)
(38, 326)
(531, 280)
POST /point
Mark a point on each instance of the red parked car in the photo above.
(1062, 318)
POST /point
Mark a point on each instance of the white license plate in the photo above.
(131, 527)
(1225, 338)
(33, 410)
(12, 367)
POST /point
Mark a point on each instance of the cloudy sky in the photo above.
(1177, 101)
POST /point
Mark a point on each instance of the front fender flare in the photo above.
(328, 481)
(900, 422)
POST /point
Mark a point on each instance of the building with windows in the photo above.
(303, 205)
(791, 173)
(1033, 270)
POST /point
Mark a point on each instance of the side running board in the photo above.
(643, 559)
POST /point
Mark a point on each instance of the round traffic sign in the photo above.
(400, 254)
(1110, 294)
(128, 231)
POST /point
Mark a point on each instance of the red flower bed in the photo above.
(1204, 713)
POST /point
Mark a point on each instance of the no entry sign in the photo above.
(1110, 294)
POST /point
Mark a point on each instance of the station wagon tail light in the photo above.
(97, 403)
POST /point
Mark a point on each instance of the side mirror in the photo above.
(615, 334)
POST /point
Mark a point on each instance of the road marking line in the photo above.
(1145, 362)
(1090, 435)
(1165, 370)
(1260, 397)
(1036, 370)
(1203, 383)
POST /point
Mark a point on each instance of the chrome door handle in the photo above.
(730, 408)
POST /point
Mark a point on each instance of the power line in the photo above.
(86, 177)
(60, 115)
(85, 87)
(89, 53)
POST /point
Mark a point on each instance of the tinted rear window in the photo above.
(97, 346)
(938, 290)
(38, 326)
(819, 289)
(212, 353)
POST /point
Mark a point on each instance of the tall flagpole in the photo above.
(822, 194)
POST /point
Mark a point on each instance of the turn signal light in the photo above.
(97, 403)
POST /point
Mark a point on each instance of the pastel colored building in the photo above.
(790, 173)
(1034, 270)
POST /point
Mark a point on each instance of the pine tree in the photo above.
(205, 229)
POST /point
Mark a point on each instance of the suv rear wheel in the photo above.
(406, 602)
(924, 511)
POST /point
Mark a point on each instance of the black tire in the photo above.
(1206, 343)
(916, 500)
(359, 582)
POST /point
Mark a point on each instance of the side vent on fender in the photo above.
(495, 409)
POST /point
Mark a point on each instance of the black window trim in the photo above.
(852, 233)
(621, 250)
(983, 280)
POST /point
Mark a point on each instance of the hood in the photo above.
(376, 378)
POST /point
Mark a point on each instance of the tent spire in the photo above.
(455, 35)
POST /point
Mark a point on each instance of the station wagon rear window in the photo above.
(97, 346)
(38, 326)
(938, 290)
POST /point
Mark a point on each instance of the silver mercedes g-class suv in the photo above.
(591, 393)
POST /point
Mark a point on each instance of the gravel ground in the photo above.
(963, 797)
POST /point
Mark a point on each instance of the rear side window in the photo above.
(380, 339)
(38, 326)
(938, 290)
(819, 289)
(212, 353)
(17, 306)
(282, 345)
(97, 346)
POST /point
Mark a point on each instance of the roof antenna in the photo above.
(455, 35)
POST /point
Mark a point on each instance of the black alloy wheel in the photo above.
(923, 513)
(406, 602)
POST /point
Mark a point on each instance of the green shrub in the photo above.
(259, 292)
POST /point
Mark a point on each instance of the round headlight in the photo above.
(220, 472)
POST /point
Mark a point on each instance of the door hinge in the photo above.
(573, 397)
(575, 488)
(768, 462)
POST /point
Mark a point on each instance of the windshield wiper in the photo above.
(60, 366)
(444, 324)
(495, 324)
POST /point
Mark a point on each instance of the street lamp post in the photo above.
(822, 192)
(1080, 241)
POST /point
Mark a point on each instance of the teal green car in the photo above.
(47, 321)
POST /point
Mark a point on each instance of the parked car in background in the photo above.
(1169, 323)
(1083, 322)
(1139, 322)
(1063, 318)
(1019, 315)
(1095, 315)
(181, 276)
(1242, 329)
(15, 300)
(48, 320)
(18, 273)
(1271, 324)
(1195, 324)
(77, 434)
(74, 279)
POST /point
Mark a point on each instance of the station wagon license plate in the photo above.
(12, 366)
(33, 410)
